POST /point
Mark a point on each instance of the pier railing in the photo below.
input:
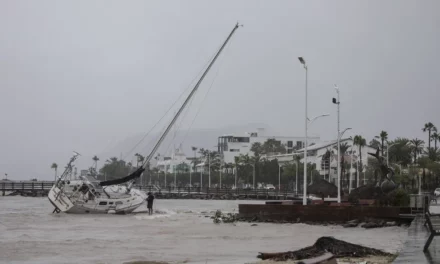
(35, 186)
(26, 185)
(218, 191)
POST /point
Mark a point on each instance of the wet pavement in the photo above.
(412, 251)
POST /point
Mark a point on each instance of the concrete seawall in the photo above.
(315, 213)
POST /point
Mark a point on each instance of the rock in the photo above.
(254, 225)
(393, 223)
(355, 221)
(372, 225)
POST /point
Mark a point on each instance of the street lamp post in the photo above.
(351, 168)
(296, 180)
(303, 62)
(201, 176)
(236, 171)
(253, 176)
(209, 169)
(279, 177)
(337, 102)
(175, 176)
(165, 175)
(221, 168)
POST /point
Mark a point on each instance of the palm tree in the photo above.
(401, 152)
(325, 162)
(361, 142)
(96, 159)
(374, 143)
(383, 136)
(195, 157)
(430, 128)
(55, 167)
(140, 159)
(416, 147)
(343, 148)
(236, 160)
(245, 161)
(432, 153)
(436, 137)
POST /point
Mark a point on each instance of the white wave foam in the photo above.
(157, 213)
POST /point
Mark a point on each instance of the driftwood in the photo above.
(338, 248)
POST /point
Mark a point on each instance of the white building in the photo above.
(231, 146)
(328, 170)
(316, 153)
(174, 162)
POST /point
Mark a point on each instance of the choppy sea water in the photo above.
(178, 232)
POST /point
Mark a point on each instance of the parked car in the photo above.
(269, 187)
(437, 192)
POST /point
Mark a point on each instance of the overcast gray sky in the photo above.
(83, 75)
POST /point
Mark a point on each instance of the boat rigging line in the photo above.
(149, 157)
(203, 100)
(136, 174)
(169, 109)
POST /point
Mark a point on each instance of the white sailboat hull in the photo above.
(122, 204)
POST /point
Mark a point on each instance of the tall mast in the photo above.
(187, 99)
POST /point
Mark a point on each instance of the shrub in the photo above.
(399, 197)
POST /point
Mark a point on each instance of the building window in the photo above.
(289, 151)
(289, 144)
(239, 139)
(234, 150)
(299, 144)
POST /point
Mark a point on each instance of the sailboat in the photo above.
(88, 196)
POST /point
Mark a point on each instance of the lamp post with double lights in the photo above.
(303, 62)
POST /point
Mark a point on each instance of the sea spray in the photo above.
(219, 217)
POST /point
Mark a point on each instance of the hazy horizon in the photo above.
(86, 75)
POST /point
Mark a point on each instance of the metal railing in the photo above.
(218, 191)
(47, 185)
(26, 185)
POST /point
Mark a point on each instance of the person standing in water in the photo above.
(150, 200)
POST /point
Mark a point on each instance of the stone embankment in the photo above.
(366, 223)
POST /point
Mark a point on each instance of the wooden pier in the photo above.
(31, 188)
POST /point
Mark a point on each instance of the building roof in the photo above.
(325, 144)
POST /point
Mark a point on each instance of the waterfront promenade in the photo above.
(412, 251)
(41, 188)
